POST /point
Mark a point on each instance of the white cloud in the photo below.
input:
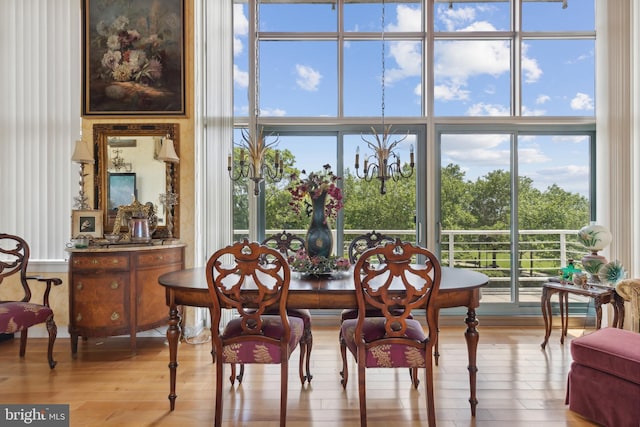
(450, 92)
(408, 57)
(482, 109)
(541, 99)
(531, 113)
(240, 21)
(575, 139)
(308, 78)
(408, 19)
(241, 78)
(532, 155)
(582, 101)
(272, 112)
(456, 17)
(572, 177)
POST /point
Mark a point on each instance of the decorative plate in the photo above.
(612, 272)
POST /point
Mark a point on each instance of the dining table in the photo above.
(458, 288)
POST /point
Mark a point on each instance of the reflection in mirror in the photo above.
(127, 169)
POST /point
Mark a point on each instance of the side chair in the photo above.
(407, 279)
(20, 315)
(356, 248)
(239, 278)
(288, 244)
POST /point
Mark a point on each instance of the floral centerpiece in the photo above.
(321, 198)
(312, 187)
(317, 265)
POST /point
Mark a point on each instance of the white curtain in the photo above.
(39, 121)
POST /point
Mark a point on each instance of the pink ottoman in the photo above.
(604, 381)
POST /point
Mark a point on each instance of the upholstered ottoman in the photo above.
(604, 380)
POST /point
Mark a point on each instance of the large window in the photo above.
(496, 97)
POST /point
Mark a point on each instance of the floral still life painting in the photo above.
(133, 57)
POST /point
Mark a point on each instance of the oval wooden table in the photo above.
(458, 288)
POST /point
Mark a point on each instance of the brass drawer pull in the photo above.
(80, 286)
(114, 285)
(115, 316)
(95, 261)
(78, 317)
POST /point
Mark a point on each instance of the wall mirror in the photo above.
(127, 168)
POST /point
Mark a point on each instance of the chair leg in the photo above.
(232, 377)
(52, 329)
(436, 353)
(23, 341)
(362, 393)
(415, 380)
(303, 348)
(219, 373)
(284, 369)
(345, 371)
(309, 338)
(431, 408)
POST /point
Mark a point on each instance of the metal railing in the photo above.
(540, 253)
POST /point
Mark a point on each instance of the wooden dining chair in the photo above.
(356, 248)
(240, 279)
(20, 315)
(288, 244)
(407, 279)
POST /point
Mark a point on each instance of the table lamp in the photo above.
(594, 237)
(82, 156)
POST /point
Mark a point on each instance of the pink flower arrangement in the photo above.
(313, 186)
(317, 265)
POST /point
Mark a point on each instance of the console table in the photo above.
(600, 294)
(113, 290)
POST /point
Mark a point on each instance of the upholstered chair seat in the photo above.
(20, 315)
(253, 351)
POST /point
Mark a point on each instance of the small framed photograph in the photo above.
(87, 223)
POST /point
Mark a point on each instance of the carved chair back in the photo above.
(366, 241)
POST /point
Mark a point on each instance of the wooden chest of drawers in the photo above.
(115, 291)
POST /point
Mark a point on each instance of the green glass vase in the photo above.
(319, 239)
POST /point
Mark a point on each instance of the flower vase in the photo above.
(319, 240)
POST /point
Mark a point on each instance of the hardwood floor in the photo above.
(518, 384)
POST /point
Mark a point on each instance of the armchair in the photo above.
(629, 290)
(20, 315)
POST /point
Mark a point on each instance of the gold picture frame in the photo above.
(133, 57)
(86, 223)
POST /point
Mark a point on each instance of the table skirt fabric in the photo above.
(604, 381)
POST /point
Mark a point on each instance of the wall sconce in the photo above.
(82, 156)
(384, 163)
(169, 199)
(256, 168)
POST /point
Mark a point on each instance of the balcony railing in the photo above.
(540, 253)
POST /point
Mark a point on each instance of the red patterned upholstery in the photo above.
(258, 351)
(19, 316)
(395, 279)
(251, 279)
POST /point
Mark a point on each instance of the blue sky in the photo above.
(472, 77)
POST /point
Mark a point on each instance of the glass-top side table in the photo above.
(600, 294)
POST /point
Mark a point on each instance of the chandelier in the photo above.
(384, 162)
(117, 162)
(253, 164)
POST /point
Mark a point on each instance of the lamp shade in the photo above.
(168, 152)
(81, 153)
(594, 237)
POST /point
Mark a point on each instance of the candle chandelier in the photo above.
(384, 162)
(253, 164)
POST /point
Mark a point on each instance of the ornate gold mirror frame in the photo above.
(102, 134)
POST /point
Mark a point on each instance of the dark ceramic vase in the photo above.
(319, 240)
